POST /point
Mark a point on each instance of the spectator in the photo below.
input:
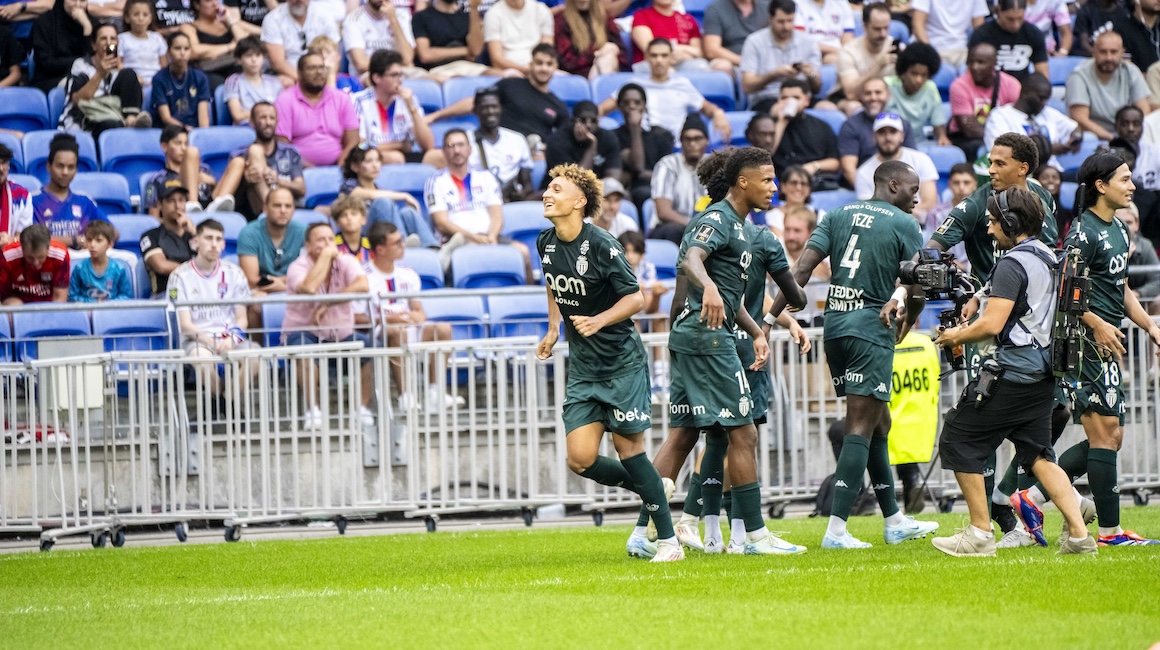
(183, 163)
(169, 245)
(320, 121)
(350, 215)
(1096, 89)
(448, 39)
(511, 29)
(802, 139)
(799, 223)
(646, 276)
(11, 58)
(770, 56)
(914, 96)
(610, 217)
(400, 321)
(870, 56)
(98, 278)
(1141, 32)
(466, 207)
(288, 30)
(213, 36)
(829, 22)
(56, 207)
(588, 41)
(501, 151)
(322, 271)
(793, 192)
(170, 18)
(672, 98)
(19, 18)
(1129, 128)
(1051, 180)
(974, 94)
(1030, 115)
(662, 20)
(1094, 18)
(641, 147)
(256, 169)
(390, 118)
(248, 87)
(361, 172)
(728, 24)
(268, 246)
(1018, 43)
(585, 144)
(528, 106)
(100, 93)
(325, 47)
(944, 25)
(1141, 252)
(59, 38)
(143, 50)
(856, 137)
(377, 25)
(180, 93)
(1049, 16)
(34, 268)
(15, 203)
(675, 186)
(888, 138)
(759, 132)
(962, 182)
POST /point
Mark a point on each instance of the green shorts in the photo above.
(622, 404)
(859, 367)
(708, 389)
(760, 386)
(1097, 389)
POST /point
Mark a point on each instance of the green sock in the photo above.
(727, 503)
(748, 500)
(1011, 479)
(693, 501)
(609, 471)
(881, 476)
(713, 473)
(650, 489)
(642, 518)
(1104, 486)
(848, 475)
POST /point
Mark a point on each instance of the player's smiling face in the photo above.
(1005, 171)
(1118, 191)
(562, 198)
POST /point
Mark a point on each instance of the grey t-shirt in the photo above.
(760, 55)
(1127, 86)
(722, 18)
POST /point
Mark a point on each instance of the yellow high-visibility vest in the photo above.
(914, 399)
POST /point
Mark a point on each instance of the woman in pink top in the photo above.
(663, 21)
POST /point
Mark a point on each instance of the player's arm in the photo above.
(793, 292)
(679, 293)
(796, 332)
(624, 309)
(712, 306)
(760, 343)
(544, 349)
(802, 271)
(1138, 315)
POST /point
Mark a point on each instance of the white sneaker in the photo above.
(689, 535)
(437, 400)
(366, 417)
(714, 545)
(223, 203)
(735, 547)
(640, 547)
(192, 206)
(845, 541)
(411, 241)
(670, 488)
(312, 420)
(965, 543)
(668, 552)
(909, 529)
(772, 545)
(1087, 508)
(1017, 538)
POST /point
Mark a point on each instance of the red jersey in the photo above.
(18, 279)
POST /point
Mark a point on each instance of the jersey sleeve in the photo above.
(541, 241)
(619, 274)
(431, 198)
(709, 233)
(953, 230)
(820, 240)
(775, 260)
(60, 277)
(76, 291)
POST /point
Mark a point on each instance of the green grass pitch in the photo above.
(575, 587)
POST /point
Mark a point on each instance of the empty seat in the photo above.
(221, 110)
(36, 143)
(522, 315)
(715, 86)
(109, 191)
(27, 326)
(217, 143)
(30, 183)
(408, 177)
(738, 120)
(457, 88)
(834, 118)
(24, 109)
(56, 102)
(943, 79)
(132, 329)
(663, 254)
(483, 267)
(570, 88)
(465, 314)
(272, 315)
(943, 157)
(1067, 195)
(648, 210)
(425, 262)
(16, 166)
(131, 152)
(1059, 67)
(523, 221)
(321, 185)
(130, 227)
(832, 199)
(829, 79)
(696, 9)
(307, 217)
(1071, 161)
(428, 92)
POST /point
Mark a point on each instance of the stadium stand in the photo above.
(132, 329)
(24, 109)
(466, 315)
(35, 146)
(570, 88)
(487, 267)
(321, 185)
(425, 262)
(131, 153)
(518, 315)
(109, 191)
(16, 166)
(663, 254)
(460, 87)
(427, 92)
(217, 143)
(28, 326)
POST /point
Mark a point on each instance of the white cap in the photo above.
(888, 120)
(613, 186)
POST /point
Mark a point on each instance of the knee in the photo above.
(580, 460)
(393, 158)
(744, 437)
(722, 65)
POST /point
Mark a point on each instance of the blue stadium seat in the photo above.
(943, 157)
(56, 102)
(1059, 67)
(539, 170)
(138, 274)
(465, 314)
(829, 78)
(131, 152)
(232, 222)
(943, 79)
(16, 166)
(24, 109)
(457, 88)
(216, 143)
(29, 325)
(5, 340)
(899, 31)
(716, 86)
(109, 191)
(485, 267)
(439, 128)
(30, 183)
(322, 185)
(35, 146)
(609, 123)
(272, 315)
(628, 208)
(570, 88)
(307, 217)
(832, 117)
(663, 254)
(221, 110)
(429, 93)
(522, 315)
(738, 120)
(524, 221)
(408, 177)
(131, 227)
(425, 262)
(1071, 161)
(135, 329)
(832, 199)
(1067, 194)
(647, 210)
(607, 85)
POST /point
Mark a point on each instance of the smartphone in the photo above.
(111, 49)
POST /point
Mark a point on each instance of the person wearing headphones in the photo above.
(1013, 396)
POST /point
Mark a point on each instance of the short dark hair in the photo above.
(1023, 206)
(631, 238)
(711, 173)
(918, 53)
(171, 131)
(353, 159)
(487, 91)
(379, 232)
(247, 45)
(169, 40)
(63, 142)
(796, 83)
(1022, 148)
(659, 41)
(547, 49)
(5, 153)
(744, 158)
(98, 26)
(1127, 109)
(315, 226)
(97, 228)
(869, 8)
(757, 117)
(302, 60)
(382, 60)
(961, 168)
(451, 132)
(258, 104)
(35, 237)
(584, 106)
(1007, 5)
(784, 6)
(210, 224)
(629, 87)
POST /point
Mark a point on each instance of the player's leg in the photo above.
(584, 458)
(1058, 486)
(647, 482)
(688, 528)
(712, 487)
(898, 526)
(742, 462)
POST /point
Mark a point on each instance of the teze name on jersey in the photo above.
(848, 298)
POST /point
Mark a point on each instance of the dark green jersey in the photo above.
(968, 222)
(767, 257)
(587, 276)
(865, 242)
(1104, 247)
(721, 233)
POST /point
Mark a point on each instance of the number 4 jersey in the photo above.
(865, 242)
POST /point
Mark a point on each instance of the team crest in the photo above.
(743, 406)
(173, 293)
(1111, 397)
(582, 264)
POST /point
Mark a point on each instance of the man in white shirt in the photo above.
(871, 55)
(888, 136)
(390, 118)
(288, 30)
(377, 25)
(829, 22)
(511, 29)
(503, 152)
(1030, 115)
(944, 25)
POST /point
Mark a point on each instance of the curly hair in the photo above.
(1022, 148)
(586, 181)
(711, 173)
(744, 158)
(919, 53)
(347, 203)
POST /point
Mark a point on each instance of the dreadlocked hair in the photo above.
(745, 158)
(711, 173)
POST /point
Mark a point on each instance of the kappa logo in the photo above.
(612, 253)
(840, 483)
(715, 217)
(711, 481)
(725, 413)
(881, 388)
(878, 487)
(546, 260)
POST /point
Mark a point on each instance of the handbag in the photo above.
(106, 108)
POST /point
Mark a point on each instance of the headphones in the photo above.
(1008, 223)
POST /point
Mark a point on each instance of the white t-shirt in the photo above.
(826, 23)
(505, 157)
(465, 201)
(864, 179)
(670, 102)
(1146, 174)
(519, 31)
(947, 23)
(621, 224)
(381, 285)
(400, 125)
(219, 289)
(142, 55)
(1050, 122)
(361, 31)
(280, 28)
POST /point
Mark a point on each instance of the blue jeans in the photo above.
(405, 218)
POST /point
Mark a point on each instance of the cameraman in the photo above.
(1013, 396)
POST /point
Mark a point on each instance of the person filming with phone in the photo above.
(802, 139)
(101, 94)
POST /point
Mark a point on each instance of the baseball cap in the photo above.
(170, 186)
(888, 120)
(613, 186)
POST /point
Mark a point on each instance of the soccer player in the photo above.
(1096, 397)
(869, 239)
(589, 281)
